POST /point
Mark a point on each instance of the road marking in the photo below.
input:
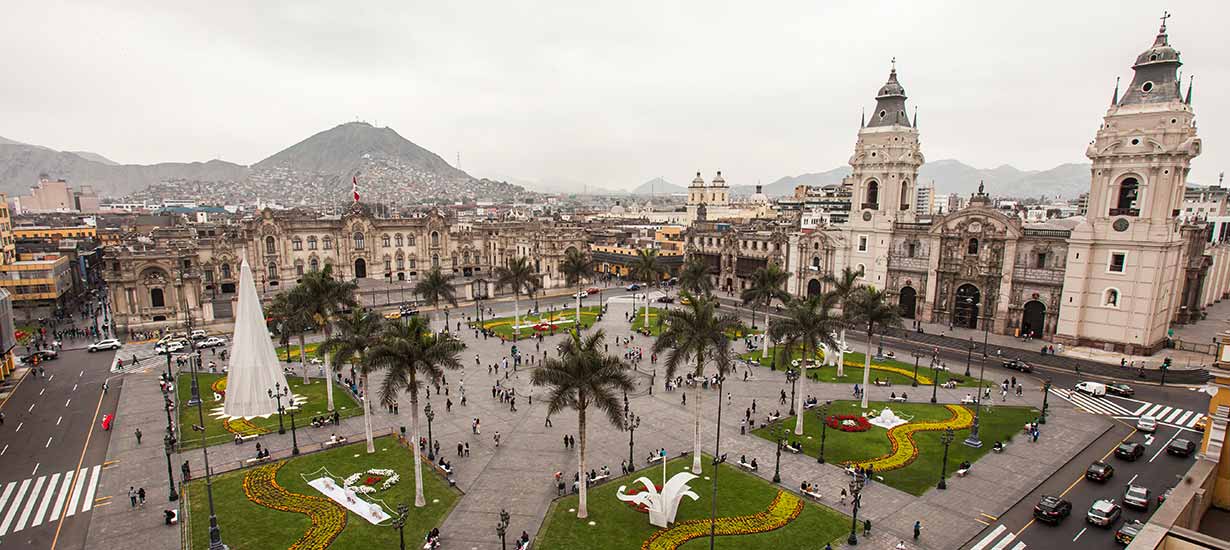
(983, 521)
(1170, 417)
(8, 491)
(1003, 543)
(986, 515)
(42, 508)
(1133, 479)
(48, 445)
(8, 519)
(80, 374)
(74, 387)
(19, 425)
(67, 402)
(25, 512)
(1163, 412)
(59, 419)
(40, 392)
(1183, 418)
(50, 377)
(1195, 420)
(1152, 412)
(89, 494)
(1078, 535)
(76, 492)
(1141, 409)
(2, 451)
(1162, 449)
(989, 538)
(1019, 546)
(36, 465)
(1148, 440)
(68, 482)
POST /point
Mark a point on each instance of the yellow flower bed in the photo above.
(328, 519)
(905, 450)
(243, 427)
(784, 508)
(922, 380)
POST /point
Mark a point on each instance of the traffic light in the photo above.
(1166, 363)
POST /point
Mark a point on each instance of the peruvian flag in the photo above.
(354, 187)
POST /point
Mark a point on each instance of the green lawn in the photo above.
(502, 326)
(655, 313)
(854, 370)
(617, 525)
(997, 423)
(247, 525)
(317, 404)
(309, 349)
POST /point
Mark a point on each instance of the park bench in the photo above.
(962, 472)
(445, 468)
(883, 383)
(599, 478)
(967, 400)
(655, 459)
(245, 438)
(747, 466)
(771, 419)
(898, 399)
(258, 460)
(793, 449)
(812, 494)
(334, 442)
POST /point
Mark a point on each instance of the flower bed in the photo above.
(784, 509)
(905, 450)
(383, 476)
(328, 519)
(922, 380)
(242, 426)
(848, 422)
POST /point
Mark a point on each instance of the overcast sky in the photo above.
(611, 94)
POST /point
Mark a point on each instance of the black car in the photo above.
(1099, 471)
(1130, 450)
(1052, 509)
(1128, 531)
(1123, 390)
(1181, 447)
(666, 300)
(1017, 364)
(41, 355)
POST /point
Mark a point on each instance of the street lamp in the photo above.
(431, 415)
(792, 376)
(917, 356)
(631, 422)
(824, 415)
(969, 356)
(935, 378)
(856, 493)
(778, 435)
(946, 440)
(501, 528)
(278, 393)
(1046, 392)
(973, 440)
(215, 533)
(168, 443)
(399, 523)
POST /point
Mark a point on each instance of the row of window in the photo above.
(360, 243)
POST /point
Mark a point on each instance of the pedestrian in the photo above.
(467, 454)
(685, 398)
(497, 438)
(866, 527)
(138, 433)
(843, 497)
(917, 529)
(141, 496)
(753, 407)
(547, 424)
(1, 418)
(132, 496)
(565, 441)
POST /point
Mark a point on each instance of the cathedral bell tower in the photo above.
(885, 166)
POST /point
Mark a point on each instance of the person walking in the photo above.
(141, 496)
(132, 496)
(917, 529)
(497, 438)
(138, 433)
(866, 527)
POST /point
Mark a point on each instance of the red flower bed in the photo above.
(848, 423)
(639, 507)
(373, 480)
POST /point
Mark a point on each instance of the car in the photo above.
(40, 356)
(1103, 513)
(1130, 450)
(1017, 364)
(211, 342)
(408, 311)
(1095, 389)
(1181, 447)
(1136, 496)
(632, 287)
(1147, 424)
(1052, 509)
(1162, 497)
(393, 315)
(685, 301)
(1122, 390)
(1099, 471)
(170, 347)
(1128, 531)
(198, 334)
(581, 294)
(107, 421)
(666, 300)
(109, 343)
(593, 290)
(1202, 424)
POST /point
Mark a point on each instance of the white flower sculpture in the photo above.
(390, 479)
(661, 506)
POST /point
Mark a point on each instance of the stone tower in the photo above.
(885, 168)
(1125, 279)
(696, 191)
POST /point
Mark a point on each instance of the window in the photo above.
(270, 245)
(401, 264)
(435, 238)
(398, 240)
(358, 240)
(1118, 262)
(328, 243)
(435, 258)
(1040, 260)
(296, 244)
(862, 243)
(209, 275)
(1128, 191)
(388, 265)
(226, 271)
(910, 249)
(905, 195)
(299, 268)
(314, 264)
(973, 247)
(1111, 297)
(312, 242)
(410, 240)
(815, 262)
(385, 242)
(156, 298)
(873, 193)
(273, 272)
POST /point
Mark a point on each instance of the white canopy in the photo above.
(253, 368)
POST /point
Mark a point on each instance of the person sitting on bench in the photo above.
(754, 466)
(170, 517)
(892, 395)
(998, 446)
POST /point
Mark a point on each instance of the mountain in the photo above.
(555, 186)
(21, 165)
(954, 176)
(95, 157)
(658, 186)
(786, 185)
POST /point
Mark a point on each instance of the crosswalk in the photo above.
(32, 502)
(999, 538)
(1130, 409)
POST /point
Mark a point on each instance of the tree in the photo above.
(518, 275)
(807, 324)
(301, 322)
(696, 334)
(694, 277)
(869, 308)
(767, 283)
(584, 376)
(357, 333)
(576, 267)
(324, 299)
(646, 267)
(277, 318)
(843, 286)
(437, 287)
(410, 355)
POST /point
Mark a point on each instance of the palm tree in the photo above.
(767, 283)
(576, 267)
(323, 300)
(584, 376)
(278, 317)
(694, 277)
(518, 275)
(646, 267)
(301, 322)
(407, 352)
(436, 287)
(870, 308)
(807, 324)
(357, 333)
(696, 332)
(843, 287)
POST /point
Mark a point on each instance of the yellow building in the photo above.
(618, 260)
(36, 280)
(54, 234)
(8, 243)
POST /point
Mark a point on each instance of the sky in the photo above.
(606, 94)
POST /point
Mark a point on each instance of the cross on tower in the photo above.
(1165, 16)
(894, 62)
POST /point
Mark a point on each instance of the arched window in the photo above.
(299, 268)
(815, 262)
(328, 243)
(226, 271)
(314, 264)
(398, 239)
(435, 259)
(911, 248)
(388, 265)
(905, 195)
(410, 239)
(873, 194)
(271, 246)
(296, 244)
(973, 247)
(1111, 297)
(156, 298)
(435, 238)
(1128, 191)
(384, 241)
(312, 242)
(401, 263)
(273, 271)
(358, 240)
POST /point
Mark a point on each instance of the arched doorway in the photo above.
(1033, 319)
(965, 308)
(813, 288)
(907, 302)
(730, 284)
(360, 269)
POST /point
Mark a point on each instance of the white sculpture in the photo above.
(888, 419)
(661, 506)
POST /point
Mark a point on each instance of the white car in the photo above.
(109, 343)
(198, 334)
(211, 342)
(170, 347)
(1146, 423)
(581, 294)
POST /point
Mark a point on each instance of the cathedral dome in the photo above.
(759, 197)
(890, 103)
(1155, 79)
(617, 210)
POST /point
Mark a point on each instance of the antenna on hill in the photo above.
(459, 160)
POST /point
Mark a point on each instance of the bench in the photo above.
(655, 459)
(809, 405)
(334, 442)
(599, 479)
(962, 472)
(747, 467)
(851, 471)
(812, 494)
(260, 460)
(898, 399)
(245, 438)
(883, 383)
(969, 401)
(523, 545)
(795, 450)
(444, 468)
(771, 419)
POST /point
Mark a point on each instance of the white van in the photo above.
(1146, 423)
(1096, 389)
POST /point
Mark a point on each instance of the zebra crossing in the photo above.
(999, 538)
(1131, 409)
(32, 502)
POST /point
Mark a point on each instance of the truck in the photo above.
(1096, 389)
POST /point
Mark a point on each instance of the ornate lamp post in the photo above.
(168, 443)
(823, 412)
(168, 406)
(973, 440)
(969, 356)
(169, 377)
(792, 376)
(399, 523)
(917, 356)
(215, 533)
(294, 439)
(431, 415)
(278, 393)
(631, 422)
(779, 433)
(935, 378)
(945, 439)
(856, 493)
(1046, 392)
(501, 528)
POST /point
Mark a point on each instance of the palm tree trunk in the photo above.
(328, 370)
(583, 479)
(419, 501)
(767, 341)
(367, 415)
(808, 353)
(696, 427)
(841, 355)
(577, 321)
(646, 307)
(446, 320)
(866, 367)
(516, 314)
(303, 360)
(717, 452)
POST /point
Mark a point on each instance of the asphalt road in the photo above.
(52, 449)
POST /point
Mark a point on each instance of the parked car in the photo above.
(1096, 389)
(40, 356)
(1136, 496)
(666, 300)
(632, 287)
(1181, 447)
(393, 315)
(1120, 389)
(1162, 497)
(107, 421)
(109, 343)
(1017, 364)
(1202, 424)
(198, 334)
(408, 311)
(1099, 471)
(1052, 509)
(1130, 450)
(1128, 531)
(581, 294)
(170, 347)
(1146, 423)
(1103, 513)
(211, 342)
